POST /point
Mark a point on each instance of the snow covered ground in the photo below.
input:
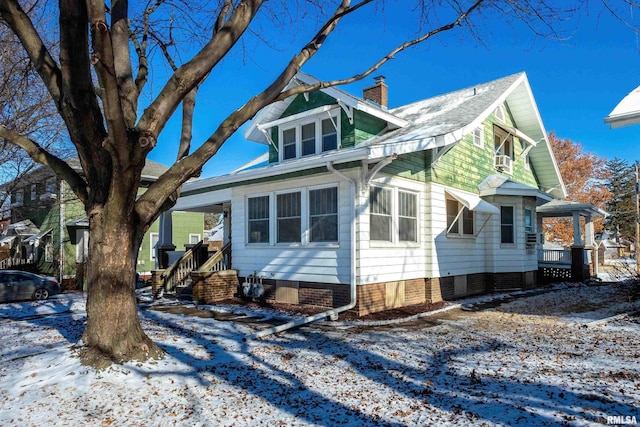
(537, 360)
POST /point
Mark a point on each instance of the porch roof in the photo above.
(499, 185)
(565, 208)
(6, 240)
(37, 237)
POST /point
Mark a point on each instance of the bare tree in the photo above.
(113, 140)
(25, 107)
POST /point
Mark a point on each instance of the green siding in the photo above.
(415, 166)
(364, 127)
(183, 224)
(300, 104)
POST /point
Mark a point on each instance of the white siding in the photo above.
(506, 258)
(386, 262)
(456, 255)
(314, 262)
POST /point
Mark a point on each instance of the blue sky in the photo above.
(576, 82)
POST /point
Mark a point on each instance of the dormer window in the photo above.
(306, 137)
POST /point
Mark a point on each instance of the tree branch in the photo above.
(389, 56)
(23, 28)
(42, 156)
(193, 72)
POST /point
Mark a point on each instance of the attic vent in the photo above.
(499, 113)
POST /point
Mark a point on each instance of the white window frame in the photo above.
(395, 218)
(414, 195)
(478, 136)
(528, 212)
(333, 115)
(48, 251)
(499, 114)
(513, 225)
(197, 236)
(152, 247)
(269, 218)
(308, 236)
(305, 218)
(277, 218)
(459, 220)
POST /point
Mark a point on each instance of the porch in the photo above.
(579, 262)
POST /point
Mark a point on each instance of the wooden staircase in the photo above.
(178, 276)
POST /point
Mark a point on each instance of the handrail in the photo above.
(180, 270)
(221, 260)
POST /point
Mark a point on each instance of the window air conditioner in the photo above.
(503, 163)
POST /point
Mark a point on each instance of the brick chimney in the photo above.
(377, 93)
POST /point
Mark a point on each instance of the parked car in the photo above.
(20, 285)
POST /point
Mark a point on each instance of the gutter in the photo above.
(333, 313)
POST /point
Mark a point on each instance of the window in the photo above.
(258, 218)
(329, 135)
(499, 113)
(48, 252)
(312, 136)
(289, 144)
(298, 217)
(194, 239)
(507, 234)
(393, 215)
(380, 214)
(34, 191)
(503, 148)
(460, 220)
(289, 217)
(407, 217)
(19, 197)
(323, 215)
(528, 220)
(478, 137)
(154, 238)
(51, 185)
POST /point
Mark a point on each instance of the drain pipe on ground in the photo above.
(331, 314)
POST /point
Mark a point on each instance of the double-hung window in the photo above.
(289, 217)
(306, 137)
(323, 215)
(478, 137)
(507, 224)
(258, 219)
(393, 215)
(380, 214)
(297, 217)
(460, 220)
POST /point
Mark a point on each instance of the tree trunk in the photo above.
(113, 332)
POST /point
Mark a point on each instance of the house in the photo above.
(43, 208)
(372, 208)
(627, 112)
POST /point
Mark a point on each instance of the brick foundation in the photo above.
(213, 286)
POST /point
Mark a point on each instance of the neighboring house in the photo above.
(627, 112)
(435, 199)
(43, 208)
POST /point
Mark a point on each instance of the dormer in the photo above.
(319, 122)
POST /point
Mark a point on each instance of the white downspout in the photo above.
(333, 313)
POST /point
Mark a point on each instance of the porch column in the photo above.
(165, 243)
(577, 235)
(589, 236)
(577, 251)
